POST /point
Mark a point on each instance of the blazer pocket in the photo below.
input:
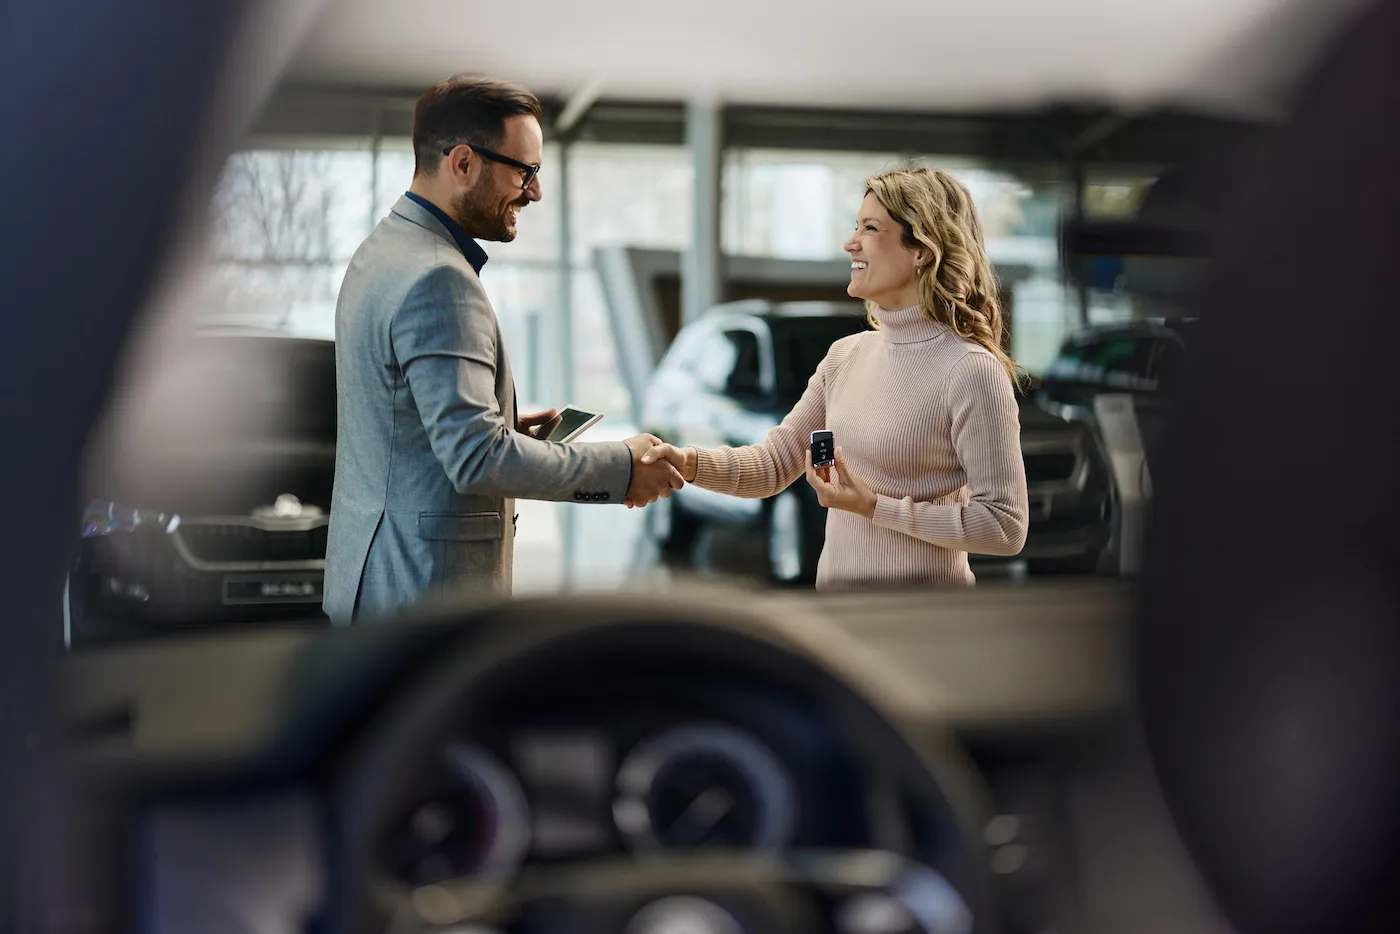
(460, 527)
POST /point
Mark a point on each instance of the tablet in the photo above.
(567, 425)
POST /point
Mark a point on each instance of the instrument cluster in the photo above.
(548, 793)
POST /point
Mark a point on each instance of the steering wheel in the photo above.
(857, 891)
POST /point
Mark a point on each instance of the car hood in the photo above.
(1036, 420)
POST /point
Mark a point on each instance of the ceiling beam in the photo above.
(577, 106)
(1099, 135)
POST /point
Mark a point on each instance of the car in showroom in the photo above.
(733, 375)
(208, 491)
(1136, 357)
(1141, 359)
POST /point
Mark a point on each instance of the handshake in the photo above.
(657, 469)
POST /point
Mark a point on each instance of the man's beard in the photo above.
(481, 218)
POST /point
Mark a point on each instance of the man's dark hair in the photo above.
(465, 109)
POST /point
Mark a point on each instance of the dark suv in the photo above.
(731, 376)
(1141, 359)
(208, 492)
(1133, 358)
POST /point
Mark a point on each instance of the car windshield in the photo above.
(801, 343)
(248, 414)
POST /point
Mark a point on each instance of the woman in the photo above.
(923, 409)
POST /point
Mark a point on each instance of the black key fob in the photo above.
(823, 449)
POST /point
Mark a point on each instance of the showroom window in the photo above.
(802, 204)
(288, 215)
(287, 218)
(283, 225)
(620, 195)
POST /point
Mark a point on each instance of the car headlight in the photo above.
(106, 518)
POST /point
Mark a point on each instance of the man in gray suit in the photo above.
(430, 450)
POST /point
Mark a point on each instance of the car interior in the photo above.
(1206, 746)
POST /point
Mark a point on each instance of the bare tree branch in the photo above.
(274, 217)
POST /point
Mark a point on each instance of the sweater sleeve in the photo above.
(761, 470)
(986, 432)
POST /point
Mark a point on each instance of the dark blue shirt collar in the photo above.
(469, 247)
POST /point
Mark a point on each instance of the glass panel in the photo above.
(619, 195)
(791, 204)
(629, 195)
(1043, 312)
(285, 223)
(393, 174)
(525, 296)
(597, 383)
(690, 348)
(801, 205)
(800, 345)
(715, 361)
(743, 377)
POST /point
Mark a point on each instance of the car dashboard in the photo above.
(223, 757)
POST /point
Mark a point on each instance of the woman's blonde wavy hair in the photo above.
(957, 287)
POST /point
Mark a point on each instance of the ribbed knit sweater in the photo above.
(930, 422)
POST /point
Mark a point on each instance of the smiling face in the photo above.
(490, 199)
(883, 269)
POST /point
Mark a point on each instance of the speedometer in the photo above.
(474, 822)
(704, 785)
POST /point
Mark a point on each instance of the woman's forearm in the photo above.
(755, 471)
(995, 526)
(688, 468)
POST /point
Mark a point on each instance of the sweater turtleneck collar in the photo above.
(907, 325)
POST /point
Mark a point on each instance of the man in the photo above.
(430, 450)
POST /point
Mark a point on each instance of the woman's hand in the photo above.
(683, 459)
(844, 490)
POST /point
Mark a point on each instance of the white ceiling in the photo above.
(879, 54)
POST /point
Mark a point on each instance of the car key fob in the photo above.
(823, 449)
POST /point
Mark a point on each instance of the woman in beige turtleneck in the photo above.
(923, 408)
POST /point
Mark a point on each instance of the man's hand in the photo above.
(683, 459)
(844, 490)
(651, 479)
(528, 423)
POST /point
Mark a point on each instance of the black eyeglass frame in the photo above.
(530, 170)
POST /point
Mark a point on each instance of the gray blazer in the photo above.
(428, 461)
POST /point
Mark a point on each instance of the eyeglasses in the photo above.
(530, 170)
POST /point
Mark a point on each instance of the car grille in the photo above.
(1050, 466)
(231, 542)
